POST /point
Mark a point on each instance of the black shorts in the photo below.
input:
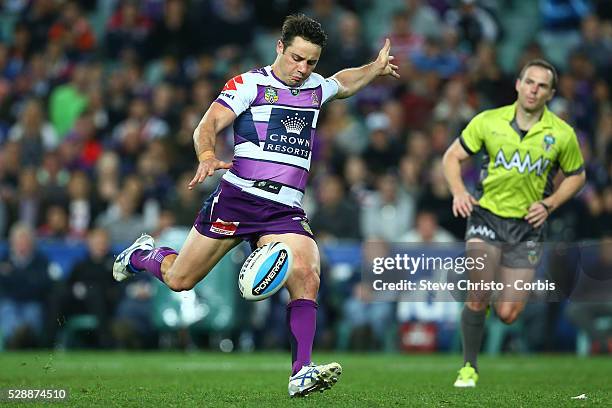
(521, 244)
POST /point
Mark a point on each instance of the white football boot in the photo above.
(122, 269)
(313, 378)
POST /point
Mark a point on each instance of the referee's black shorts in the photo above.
(521, 244)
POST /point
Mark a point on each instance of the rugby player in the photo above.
(274, 111)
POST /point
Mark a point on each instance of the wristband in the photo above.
(208, 154)
(546, 207)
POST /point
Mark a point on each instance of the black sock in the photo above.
(472, 328)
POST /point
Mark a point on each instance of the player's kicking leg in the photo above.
(474, 311)
(303, 285)
(179, 271)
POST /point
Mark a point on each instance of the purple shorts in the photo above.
(229, 212)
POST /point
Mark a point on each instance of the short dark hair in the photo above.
(300, 25)
(544, 64)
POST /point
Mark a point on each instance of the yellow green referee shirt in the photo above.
(519, 170)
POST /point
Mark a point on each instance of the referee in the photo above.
(524, 145)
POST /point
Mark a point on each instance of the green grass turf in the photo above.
(168, 379)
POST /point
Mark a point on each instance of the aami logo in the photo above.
(526, 164)
(263, 284)
(481, 230)
(289, 132)
(231, 84)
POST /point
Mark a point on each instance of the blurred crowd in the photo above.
(99, 100)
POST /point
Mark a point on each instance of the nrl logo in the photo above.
(271, 95)
(295, 92)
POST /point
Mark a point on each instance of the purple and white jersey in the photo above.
(274, 131)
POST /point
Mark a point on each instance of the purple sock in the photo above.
(150, 260)
(302, 322)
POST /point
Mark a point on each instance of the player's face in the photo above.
(297, 61)
(534, 88)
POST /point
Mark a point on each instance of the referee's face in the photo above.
(534, 88)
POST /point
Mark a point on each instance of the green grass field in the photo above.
(260, 380)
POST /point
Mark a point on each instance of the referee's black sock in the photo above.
(472, 328)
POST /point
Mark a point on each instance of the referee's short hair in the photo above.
(538, 62)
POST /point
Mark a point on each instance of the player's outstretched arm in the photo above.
(540, 210)
(216, 118)
(463, 202)
(351, 80)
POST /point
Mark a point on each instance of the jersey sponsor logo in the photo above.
(224, 227)
(271, 95)
(481, 230)
(522, 165)
(549, 141)
(289, 132)
(232, 84)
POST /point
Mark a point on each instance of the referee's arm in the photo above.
(539, 211)
(463, 201)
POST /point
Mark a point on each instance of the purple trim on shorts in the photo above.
(257, 170)
(222, 102)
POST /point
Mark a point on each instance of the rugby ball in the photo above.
(265, 271)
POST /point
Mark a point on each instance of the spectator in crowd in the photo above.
(82, 207)
(474, 23)
(89, 289)
(33, 133)
(24, 288)
(68, 101)
(128, 31)
(387, 214)
(453, 108)
(173, 34)
(382, 153)
(73, 31)
(27, 204)
(352, 51)
(424, 19)
(122, 219)
(337, 215)
(426, 230)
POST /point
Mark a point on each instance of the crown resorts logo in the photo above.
(289, 132)
(294, 124)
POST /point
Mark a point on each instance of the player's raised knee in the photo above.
(179, 284)
(307, 274)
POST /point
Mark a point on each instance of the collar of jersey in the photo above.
(545, 121)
